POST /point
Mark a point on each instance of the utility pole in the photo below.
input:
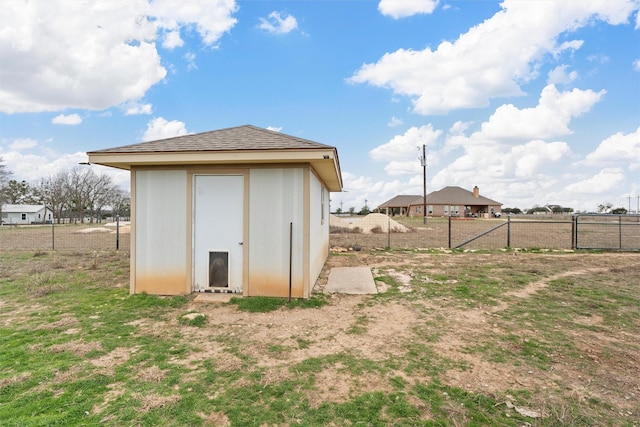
(423, 163)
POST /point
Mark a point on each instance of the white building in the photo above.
(26, 214)
(242, 210)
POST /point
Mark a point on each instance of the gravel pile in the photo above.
(372, 223)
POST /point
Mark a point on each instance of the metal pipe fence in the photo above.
(606, 232)
(582, 231)
(65, 237)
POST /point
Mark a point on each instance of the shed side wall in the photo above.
(318, 229)
(161, 232)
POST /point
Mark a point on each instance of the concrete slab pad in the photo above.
(213, 298)
(350, 280)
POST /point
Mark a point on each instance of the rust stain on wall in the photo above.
(266, 285)
(161, 284)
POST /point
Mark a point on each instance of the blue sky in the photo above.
(534, 102)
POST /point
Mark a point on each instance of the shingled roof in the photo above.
(241, 145)
(446, 196)
(245, 137)
(457, 196)
(401, 201)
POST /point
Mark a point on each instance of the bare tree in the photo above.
(99, 193)
(51, 191)
(605, 207)
(120, 203)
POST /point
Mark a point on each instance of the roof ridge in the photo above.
(236, 138)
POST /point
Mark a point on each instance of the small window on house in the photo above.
(23, 216)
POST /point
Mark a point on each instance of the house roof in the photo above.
(446, 196)
(401, 201)
(236, 145)
(457, 196)
(22, 208)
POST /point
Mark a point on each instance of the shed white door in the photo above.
(218, 228)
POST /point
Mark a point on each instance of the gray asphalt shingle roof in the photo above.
(402, 200)
(245, 137)
(446, 196)
(457, 196)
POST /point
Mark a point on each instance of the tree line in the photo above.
(78, 194)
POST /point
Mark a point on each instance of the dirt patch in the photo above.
(155, 401)
(79, 347)
(151, 374)
(541, 284)
(111, 360)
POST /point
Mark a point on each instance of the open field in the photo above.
(451, 339)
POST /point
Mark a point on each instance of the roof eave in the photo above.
(323, 160)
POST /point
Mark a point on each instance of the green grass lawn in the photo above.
(478, 339)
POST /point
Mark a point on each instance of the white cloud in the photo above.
(395, 122)
(71, 119)
(160, 128)
(401, 153)
(549, 118)
(278, 24)
(403, 8)
(636, 63)
(172, 40)
(93, 55)
(23, 144)
(618, 148)
(134, 107)
(559, 75)
(50, 162)
(607, 180)
(190, 57)
(274, 128)
(493, 58)
(211, 18)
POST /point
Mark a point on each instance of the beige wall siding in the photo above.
(161, 263)
(276, 197)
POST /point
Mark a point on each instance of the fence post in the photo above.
(508, 230)
(449, 231)
(620, 231)
(388, 232)
(574, 236)
(53, 237)
(117, 232)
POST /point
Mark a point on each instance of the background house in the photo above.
(26, 214)
(242, 210)
(449, 201)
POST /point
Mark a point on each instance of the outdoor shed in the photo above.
(26, 214)
(241, 210)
